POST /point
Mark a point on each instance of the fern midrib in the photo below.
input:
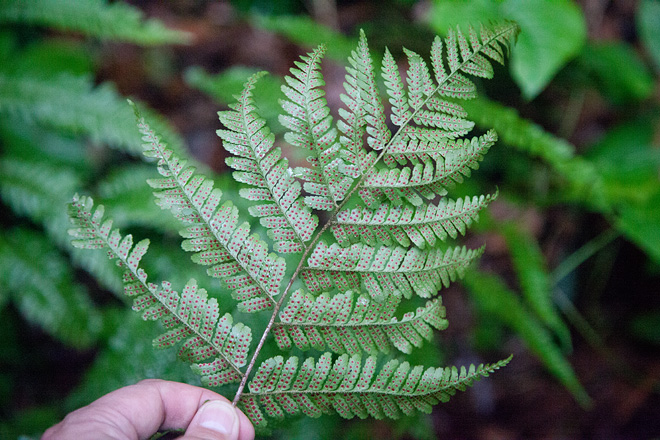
(172, 311)
(206, 221)
(357, 184)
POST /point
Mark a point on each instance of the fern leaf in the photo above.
(430, 178)
(38, 279)
(408, 225)
(73, 105)
(311, 128)
(351, 323)
(401, 113)
(385, 270)
(190, 318)
(289, 221)
(97, 18)
(211, 230)
(363, 110)
(352, 387)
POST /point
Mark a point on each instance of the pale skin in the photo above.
(138, 411)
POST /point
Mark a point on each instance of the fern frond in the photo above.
(311, 128)
(38, 280)
(428, 178)
(351, 323)
(96, 18)
(189, 318)
(73, 105)
(289, 221)
(385, 270)
(212, 231)
(408, 225)
(352, 387)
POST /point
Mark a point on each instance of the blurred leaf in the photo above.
(73, 105)
(534, 278)
(648, 23)
(224, 86)
(580, 177)
(41, 284)
(30, 423)
(303, 30)
(628, 162)
(95, 18)
(552, 33)
(26, 141)
(544, 45)
(126, 194)
(646, 327)
(53, 57)
(492, 297)
(641, 223)
(617, 71)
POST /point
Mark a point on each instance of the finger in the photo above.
(138, 411)
(215, 420)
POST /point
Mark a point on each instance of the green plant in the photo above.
(335, 283)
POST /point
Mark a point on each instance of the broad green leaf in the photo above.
(639, 222)
(648, 24)
(628, 162)
(552, 33)
(305, 31)
(617, 71)
(225, 85)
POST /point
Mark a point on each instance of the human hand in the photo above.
(139, 411)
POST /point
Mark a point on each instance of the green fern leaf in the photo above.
(406, 225)
(290, 223)
(430, 178)
(352, 387)
(385, 270)
(39, 282)
(211, 230)
(356, 268)
(73, 105)
(311, 128)
(350, 323)
(97, 18)
(189, 317)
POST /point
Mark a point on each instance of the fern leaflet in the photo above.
(352, 387)
(189, 317)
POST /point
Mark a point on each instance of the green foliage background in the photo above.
(64, 130)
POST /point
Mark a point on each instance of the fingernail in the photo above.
(218, 416)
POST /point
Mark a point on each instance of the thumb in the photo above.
(215, 420)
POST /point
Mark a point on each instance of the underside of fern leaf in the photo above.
(382, 240)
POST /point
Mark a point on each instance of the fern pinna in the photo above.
(381, 242)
